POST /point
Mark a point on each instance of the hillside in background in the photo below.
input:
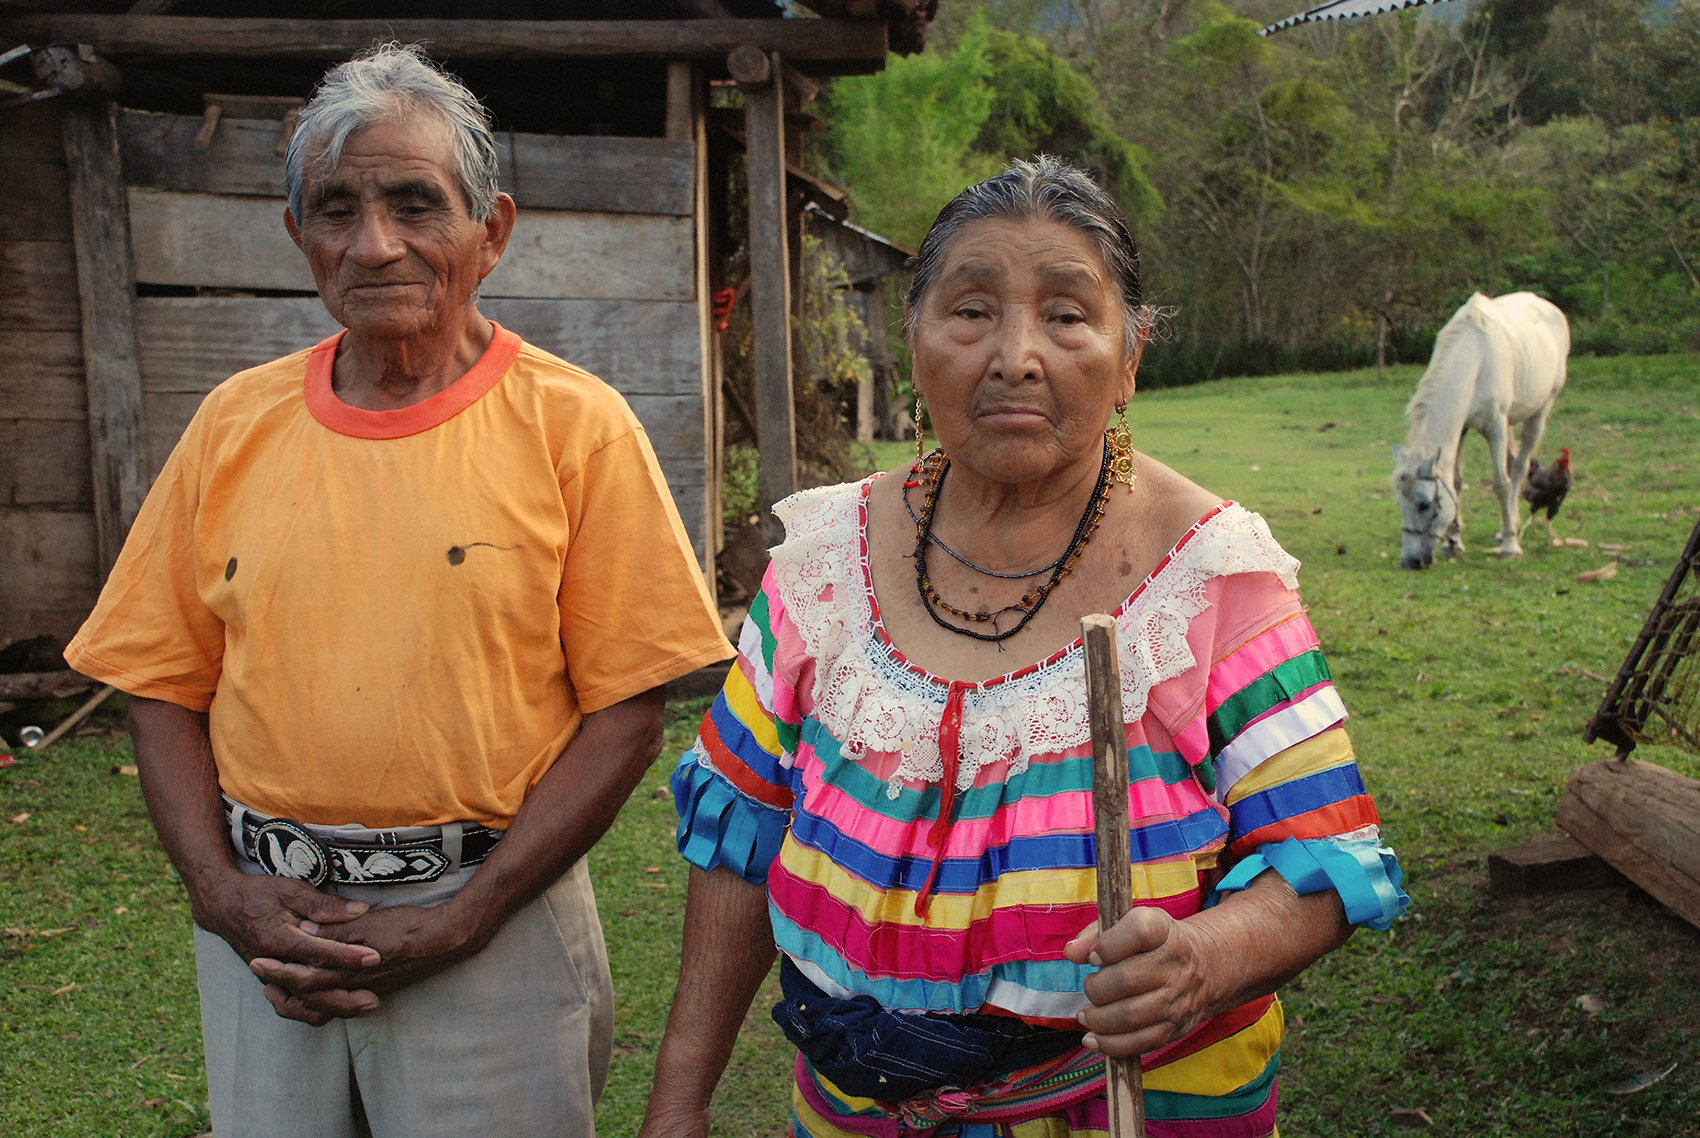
(1305, 197)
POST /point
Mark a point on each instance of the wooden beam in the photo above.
(612, 175)
(100, 226)
(1551, 866)
(1645, 821)
(770, 297)
(44, 685)
(814, 46)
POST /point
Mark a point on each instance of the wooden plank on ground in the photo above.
(48, 574)
(38, 286)
(1645, 821)
(827, 46)
(221, 241)
(44, 685)
(616, 175)
(1551, 866)
(101, 234)
(45, 463)
(41, 375)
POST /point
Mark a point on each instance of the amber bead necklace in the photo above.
(930, 473)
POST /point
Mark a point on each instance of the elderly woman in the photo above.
(894, 788)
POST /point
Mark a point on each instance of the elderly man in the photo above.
(395, 618)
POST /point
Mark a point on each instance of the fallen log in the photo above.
(43, 685)
(1643, 820)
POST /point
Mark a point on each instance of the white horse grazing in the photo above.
(1497, 364)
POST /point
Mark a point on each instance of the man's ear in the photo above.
(293, 227)
(498, 228)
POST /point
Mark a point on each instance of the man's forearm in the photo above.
(179, 779)
(571, 808)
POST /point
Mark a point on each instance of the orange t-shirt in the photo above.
(401, 617)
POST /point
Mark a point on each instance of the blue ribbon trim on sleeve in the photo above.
(1365, 873)
(719, 826)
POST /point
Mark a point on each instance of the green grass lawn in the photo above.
(1467, 692)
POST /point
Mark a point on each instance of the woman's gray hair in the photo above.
(391, 83)
(1045, 189)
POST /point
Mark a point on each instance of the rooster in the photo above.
(1546, 488)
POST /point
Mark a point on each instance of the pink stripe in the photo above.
(1193, 742)
(886, 950)
(1257, 656)
(1284, 705)
(1149, 800)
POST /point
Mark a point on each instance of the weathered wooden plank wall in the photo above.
(601, 271)
(47, 533)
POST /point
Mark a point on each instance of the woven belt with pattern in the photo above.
(287, 848)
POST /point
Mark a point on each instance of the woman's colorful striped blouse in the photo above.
(804, 779)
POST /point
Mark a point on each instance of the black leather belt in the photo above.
(286, 848)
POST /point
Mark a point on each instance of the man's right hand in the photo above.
(278, 918)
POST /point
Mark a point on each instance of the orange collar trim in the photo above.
(357, 422)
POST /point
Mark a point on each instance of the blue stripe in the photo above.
(1290, 799)
(737, 738)
(1151, 842)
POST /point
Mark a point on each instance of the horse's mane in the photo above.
(1440, 373)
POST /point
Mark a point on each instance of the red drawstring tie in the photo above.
(950, 750)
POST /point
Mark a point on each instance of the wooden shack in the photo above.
(143, 257)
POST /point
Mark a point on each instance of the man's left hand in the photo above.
(412, 943)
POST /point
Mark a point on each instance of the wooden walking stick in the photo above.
(1124, 1085)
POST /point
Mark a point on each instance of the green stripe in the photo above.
(759, 613)
(1281, 682)
(1042, 780)
(1172, 1105)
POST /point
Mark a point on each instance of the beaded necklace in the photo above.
(930, 472)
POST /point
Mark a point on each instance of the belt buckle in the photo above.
(286, 848)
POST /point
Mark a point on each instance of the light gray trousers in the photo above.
(514, 1041)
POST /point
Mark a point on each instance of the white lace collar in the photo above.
(872, 699)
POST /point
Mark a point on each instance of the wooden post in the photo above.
(100, 229)
(1125, 1086)
(770, 284)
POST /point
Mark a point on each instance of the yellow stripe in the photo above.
(956, 911)
(742, 699)
(1226, 1065)
(1052, 1126)
(1332, 748)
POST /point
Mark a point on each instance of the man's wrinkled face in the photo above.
(393, 249)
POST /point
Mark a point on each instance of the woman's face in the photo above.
(1020, 349)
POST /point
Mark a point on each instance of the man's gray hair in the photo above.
(1045, 189)
(392, 83)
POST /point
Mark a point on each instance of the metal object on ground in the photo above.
(1345, 10)
(71, 720)
(1124, 1085)
(1655, 697)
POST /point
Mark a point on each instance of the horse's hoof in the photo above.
(1507, 552)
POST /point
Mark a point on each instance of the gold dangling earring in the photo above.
(1121, 450)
